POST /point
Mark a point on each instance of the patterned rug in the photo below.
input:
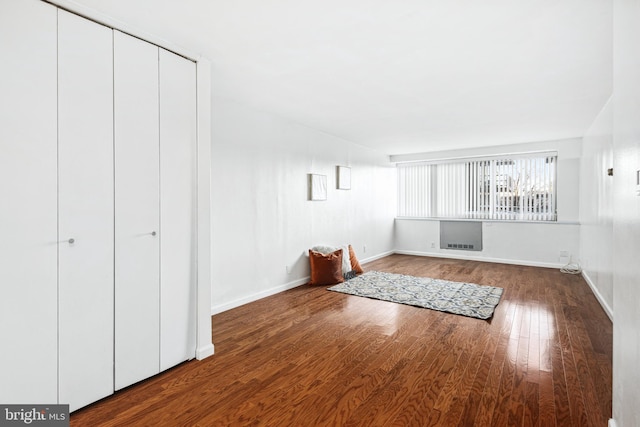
(467, 299)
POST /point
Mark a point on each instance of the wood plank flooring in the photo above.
(310, 357)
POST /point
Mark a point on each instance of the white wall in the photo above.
(596, 207)
(526, 243)
(506, 242)
(626, 213)
(263, 222)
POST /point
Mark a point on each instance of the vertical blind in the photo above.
(507, 188)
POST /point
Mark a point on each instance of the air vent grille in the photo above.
(461, 235)
(468, 246)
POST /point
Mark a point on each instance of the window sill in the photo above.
(407, 218)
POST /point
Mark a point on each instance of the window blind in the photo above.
(506, 188)
(415, 191)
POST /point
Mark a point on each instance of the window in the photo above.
(508, 188)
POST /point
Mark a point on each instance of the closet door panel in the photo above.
(137, 268)
(178, 244)
(85, 176)
(28, 212)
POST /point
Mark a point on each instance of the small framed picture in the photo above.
(344, 178)
(317, 187)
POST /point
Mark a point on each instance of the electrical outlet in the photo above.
(364, 249)
(286, 267)
(564, 254)
(433, 245)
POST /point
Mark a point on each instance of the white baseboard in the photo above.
(205, 351)
(375, 257)
(612, 423)
(483, 259)
(215, 309)
(598, 295)
(595, 290)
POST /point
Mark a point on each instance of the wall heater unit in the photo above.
(461, 235)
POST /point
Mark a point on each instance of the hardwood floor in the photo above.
(309, 357)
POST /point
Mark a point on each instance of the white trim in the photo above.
(483, 259)
(594, 289)
(101, 18)
(497, 221)
(612, 423)
(461, 159)
(203, 320)
(215, 309)
(566, 148)
(598, 295)
(204, 352)
(375, 257)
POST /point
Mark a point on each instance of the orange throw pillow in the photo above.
(326, 269)
(355, 265)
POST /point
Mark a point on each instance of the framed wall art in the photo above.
(344, 177)
(317, 187)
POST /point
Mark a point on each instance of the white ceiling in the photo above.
(400, 76)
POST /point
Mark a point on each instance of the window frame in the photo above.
(530, 197)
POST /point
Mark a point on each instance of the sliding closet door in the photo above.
(28, 229)
(178, 244)
(85, 203)
(137, 232)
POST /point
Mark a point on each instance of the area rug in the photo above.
(467, 299)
